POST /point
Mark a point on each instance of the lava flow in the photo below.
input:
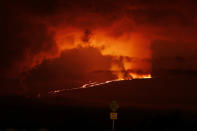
(94, 84)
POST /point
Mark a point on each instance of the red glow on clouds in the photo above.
(128, 49)
(119, 40)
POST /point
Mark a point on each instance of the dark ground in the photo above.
(19, 113)
(145, 105)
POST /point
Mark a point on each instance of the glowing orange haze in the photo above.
(129, 50)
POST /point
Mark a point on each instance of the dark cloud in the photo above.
(87, 35)
(171, 58)
(23, 39)
(185, 73)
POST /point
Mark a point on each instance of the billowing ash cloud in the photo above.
(125, 34)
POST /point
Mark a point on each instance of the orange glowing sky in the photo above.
(123, 47)
(75, 42)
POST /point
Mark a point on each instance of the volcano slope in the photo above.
(145, 104)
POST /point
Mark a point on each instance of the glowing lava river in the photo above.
(94, 84)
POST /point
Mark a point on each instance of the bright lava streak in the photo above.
(93, 84)
(87, 85)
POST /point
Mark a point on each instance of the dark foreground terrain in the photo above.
(19, 114)
(145, 105)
